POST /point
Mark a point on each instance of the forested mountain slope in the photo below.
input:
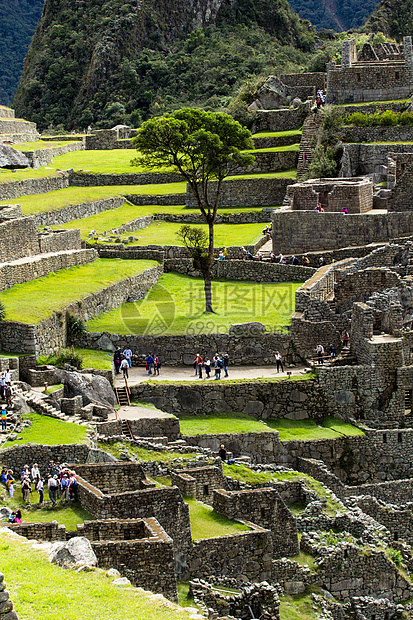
(393, 17)
(340, 15)
(104, 58)
(17, 24)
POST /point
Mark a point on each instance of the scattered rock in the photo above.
(122, 581)
(75, 552)
(11, 158)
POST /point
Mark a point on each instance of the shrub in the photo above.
(62, 357)
(2, 311)
(75, 328)
(395, 556)
(322, 163)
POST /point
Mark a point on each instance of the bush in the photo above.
(62, 357)
(75, 328)
(395, 556)
(322, 164)
(388, 118)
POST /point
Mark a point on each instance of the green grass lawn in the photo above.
(285, 174)
(307, 430)
(68, 514)
(361, 103)
(36, 300)
(43, 590)
(49, 431)
(299, 607)
(175, 306)
(277, 134)
(234, 422)
(276, 149)
(206, 523)
(115, 161)
(52, 201)
(27, 173)
(40, 145)
(165, 233)
(100, 360)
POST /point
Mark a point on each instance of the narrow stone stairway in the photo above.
(308, 143)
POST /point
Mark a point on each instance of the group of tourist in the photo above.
(122, 360)
(61, 482)
(321, 354)
(218, 363)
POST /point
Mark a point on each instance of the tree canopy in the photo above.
(202, 147)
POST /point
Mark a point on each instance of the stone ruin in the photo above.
(333, 195)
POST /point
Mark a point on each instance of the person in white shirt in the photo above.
(35, 473)
(127, 354)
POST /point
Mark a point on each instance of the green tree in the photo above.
(201, 146)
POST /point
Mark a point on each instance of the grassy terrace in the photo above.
(165, 233)
(361, 103)
(40, 145)
(34, 301)
(175, 306)
(40, 589)
(100, 360)
(160, 233)
(49, 431)
(289, 430)
(277, 134)
(277, 149)
(206, 523)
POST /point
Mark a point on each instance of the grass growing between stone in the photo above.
(175, 306)
(142, 454)
(234, 422)
(49, 431)
(308, 430)
(245, 474)
(165, 233)
(41, 145)
(34, 301)
(43, 590)
(68, 514)
(206, 523)
(298, 607)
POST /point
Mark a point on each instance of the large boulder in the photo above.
(273, 94)
(92, 388)
(254, 328)
(75, 552)
(10, 158)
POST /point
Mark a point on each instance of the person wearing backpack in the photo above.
(52, 485)
(225, 360)
(218, 365)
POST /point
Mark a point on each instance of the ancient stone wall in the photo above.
(113, 477)
(143, 427)
(296, 232)
(247, 553)
(29, 187)
(246, 192)
(6, 112)
(43, 157)
(51, 531)
(18, 239)
(281, 120)
(139, 549)
(395, 133)
(59, 241)
(77, 211)
(199, 482)
(86, 179)
(287, 399)
(260, 447)
(369, 82)
(265, 508)
(360, 159)
(244, 349)
(19, 456)
(397, 519)
(269, 161)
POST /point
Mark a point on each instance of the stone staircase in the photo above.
(37, 401)
(307, 144)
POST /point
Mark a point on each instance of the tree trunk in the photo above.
(208, 293)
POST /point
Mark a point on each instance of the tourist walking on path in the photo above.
(279, 361)
(10, 482)
(320, 353)
(149, 361)
(346, 338)
(199, 366)
(117, 358)
(127, 354)
(218, 365)
(225, 361)
(3, 418)
(156, 365)
(196, 365)
(124, 368)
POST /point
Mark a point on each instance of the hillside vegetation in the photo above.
(338, 16)
(106, 61)
(393, 17)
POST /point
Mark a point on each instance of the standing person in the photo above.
(7, 376)
(331, 350)
(64, 488)
(35, 473)
(225, 252)
(8, 392)
(225, 362)
(127, 354)
(279, 361)
(2, 386)
(200, 366)
(218, 365)
(346, 338)
(222, 453)
(52, 485)
(124, 366)
(149, 361)
(10, 482)
(72, 486)
(3, 418)
(156, 365)
(40, 490)
(320, 353)
(207, 365)
(117, 358)
(26, 489)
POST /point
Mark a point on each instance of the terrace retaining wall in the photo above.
(86, 179)
(245, 192)
(143, 427)
(29, 187)
(43, 157)
(77, 211)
